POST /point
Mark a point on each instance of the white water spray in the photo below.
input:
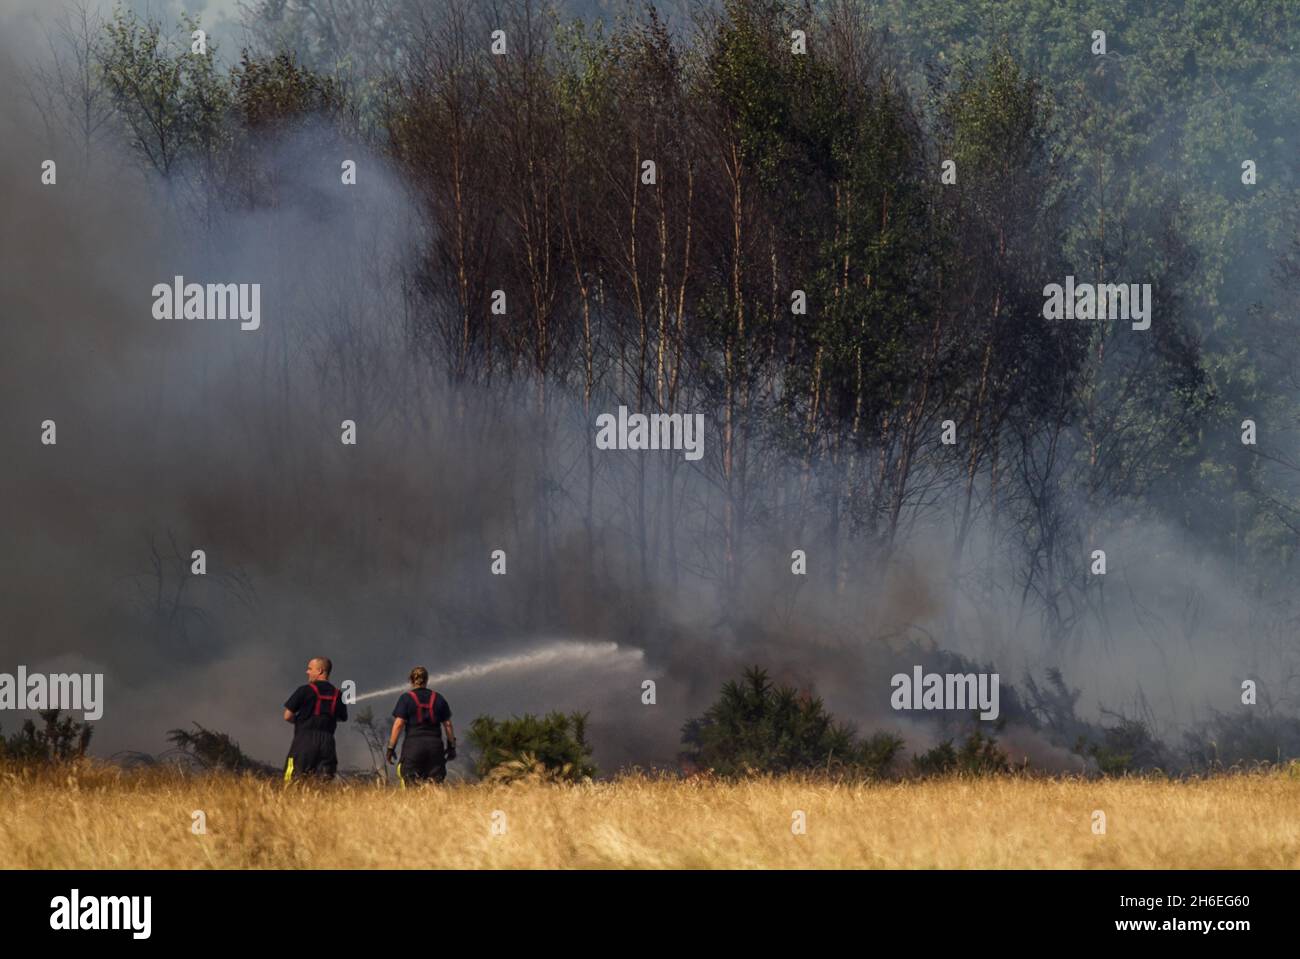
(566, 652)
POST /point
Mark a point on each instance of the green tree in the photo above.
(173, 100)
(756, 726)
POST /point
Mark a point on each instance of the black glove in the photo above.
(451, 750)
(391, 755)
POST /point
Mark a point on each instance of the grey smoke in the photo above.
(174, 435)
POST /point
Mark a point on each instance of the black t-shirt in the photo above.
(406, 709)
(303, 706)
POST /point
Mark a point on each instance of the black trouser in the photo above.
(312, 754)
(422, 759)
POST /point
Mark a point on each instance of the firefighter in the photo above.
(421, 712)
(315, 710)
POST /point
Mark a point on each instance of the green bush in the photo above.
(58, 740)
(553, 746)
(1124, 748)
(978, 755)
(758, 727)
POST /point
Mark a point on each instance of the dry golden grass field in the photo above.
(102, 818)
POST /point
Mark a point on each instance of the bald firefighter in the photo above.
(315, 711)
(424, 715)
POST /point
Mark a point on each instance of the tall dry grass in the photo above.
(90, 816)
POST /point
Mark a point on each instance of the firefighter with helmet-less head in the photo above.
(315, 710)
(424, 715)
